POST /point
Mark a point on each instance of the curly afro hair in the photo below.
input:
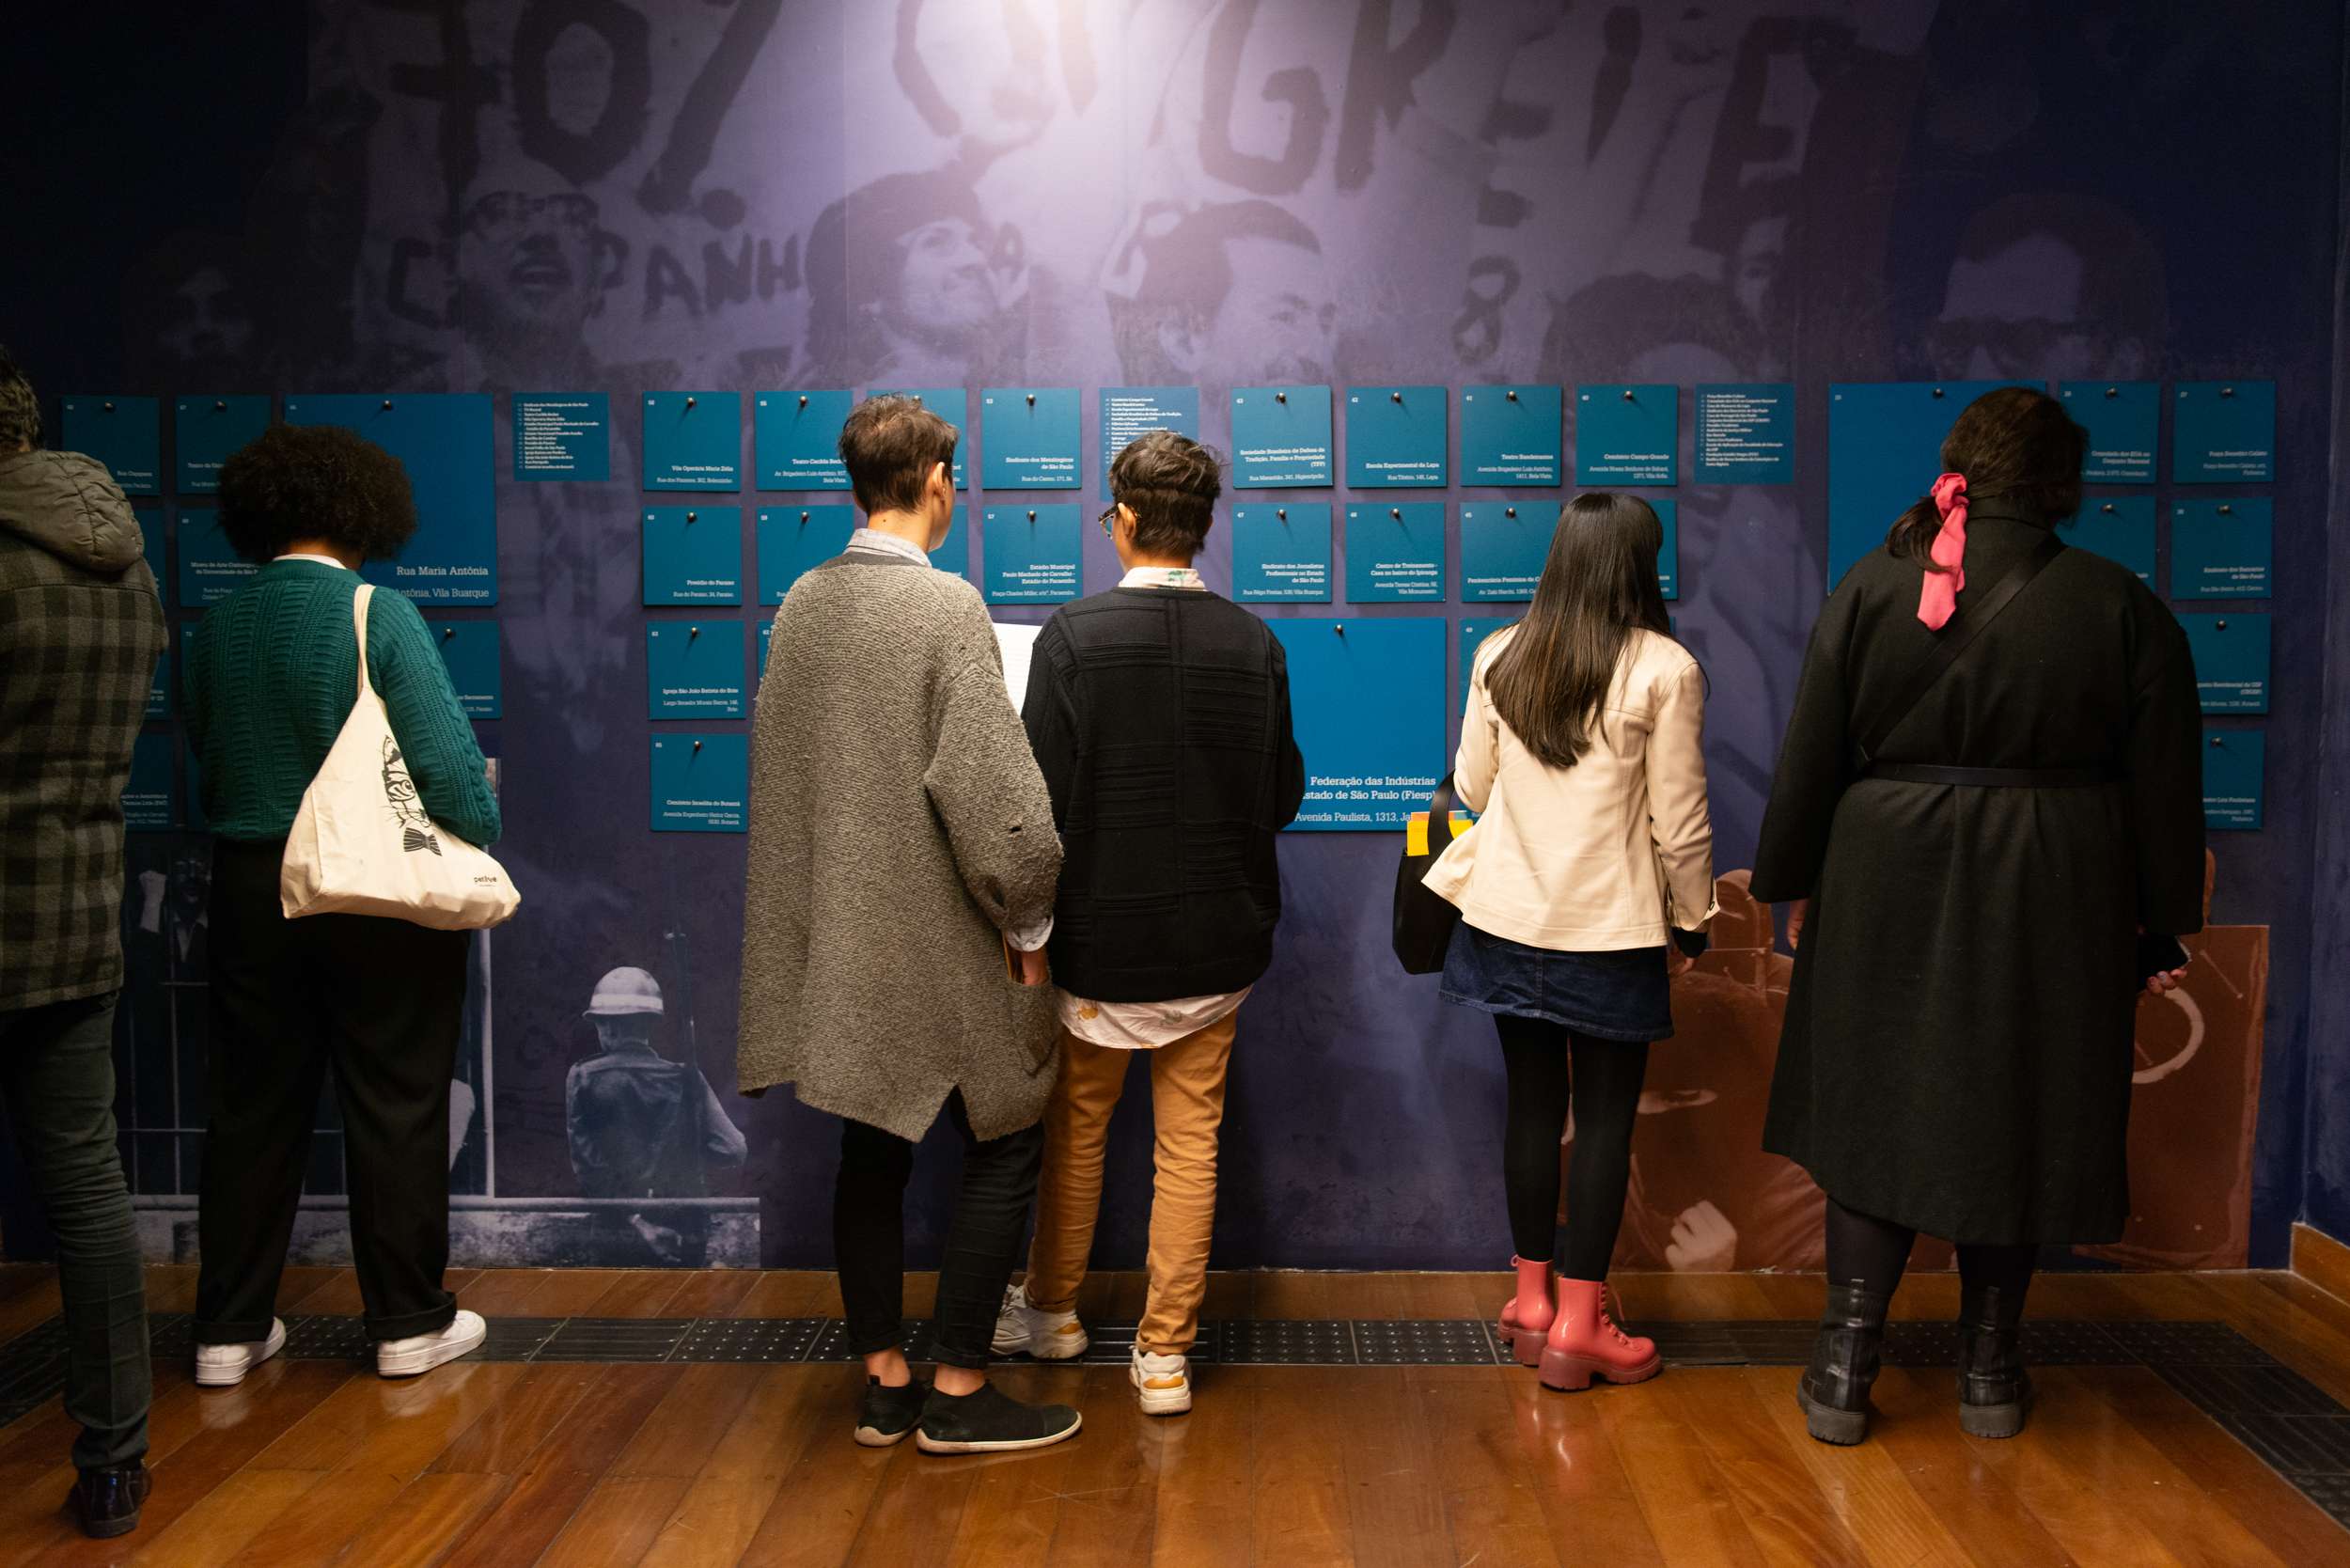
(315, 482)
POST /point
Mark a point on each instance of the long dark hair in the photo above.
(2014, 444)
(1598, 586)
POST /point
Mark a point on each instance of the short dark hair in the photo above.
(315, 482)
(890, 444)
(1171, 482)
(19, 411)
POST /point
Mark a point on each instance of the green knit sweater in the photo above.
(271, 677)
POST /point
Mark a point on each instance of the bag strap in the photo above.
(359, 625)
(1953, 640)
(1440, 809)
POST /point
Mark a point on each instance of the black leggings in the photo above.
(1552, 1068)
(1872, 1253)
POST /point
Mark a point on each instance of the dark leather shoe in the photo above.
(110, 1499)
(1994, 1389)
(1834, 1389)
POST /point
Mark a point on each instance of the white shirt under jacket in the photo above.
(1603, 856)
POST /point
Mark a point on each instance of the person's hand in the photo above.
(2165, 980)
(1703, 1241)
(1032, 969)
(1677, 963)
(1797, 909)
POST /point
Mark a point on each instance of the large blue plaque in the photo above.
(470, 650)
(1668, 553)
(1885, 451)
(1281, 552)
(2221, 549)
(793, 539)
(1502, 549)
(1282, 438)
(1028, 438)
(1395, 437)
(2233, 762)
(1395, 551)
(2118, 527)
(1474, 631)
(151, 544)
(2121, 418)
(797, 437)
(124, 433)
(693, 555)
(210, 568)
(947, 403)
(207, 429)
(562, 436)
(694, 669)
(1032, 553)
(2223, 432)
(1128, 412)
(148, 795)
(954, 552)
(1512, 435)
(702, 783)
(1366, 701)
(693, 440)
(445, 443)
(2231, 653)
(1627, 434)
(1746, 433)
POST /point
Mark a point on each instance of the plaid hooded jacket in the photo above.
(81, 627)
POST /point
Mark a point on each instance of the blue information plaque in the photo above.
(1128, 412)
(148, 796)
(693, 555)
(1281, 552)
(1627, 434)
(693, 440)
(470, 650)
(1028, 438)
(1746, 433)
(797, 437)
(2121, 418)
(1884, 452)
(766, 635)
(151, 546)
(1032, 553)
(1668, 554)
(694, 669)
(210, 568)
(159, 686)
(2231, 655)
(1395, 551)
(204, 431)
(954, 552)
(445, 443)
(2221, 549)
(947, 403)
(1395, 437)
(1282, 438)
(2118, 527)
(2233, 762)
(1502, 548)
(1366, 701)
(1511, 435)
(793, 539)
(562, 436)
(702, 783)
(2223, 432)
(1474, 630)
(124, 433)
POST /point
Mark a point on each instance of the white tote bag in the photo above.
(362, 844)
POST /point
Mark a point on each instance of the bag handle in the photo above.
(1953, 640)
(359, 625)
(1440, 810)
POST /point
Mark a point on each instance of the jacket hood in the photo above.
(69, 506)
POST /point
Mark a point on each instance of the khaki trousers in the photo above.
(1186, 1108)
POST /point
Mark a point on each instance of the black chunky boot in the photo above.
(1834, 1392)
(1994, 1389)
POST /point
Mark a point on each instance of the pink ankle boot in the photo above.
(1584, 1343)
(1526, 1317)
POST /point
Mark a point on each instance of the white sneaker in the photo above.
(424, 1352)
(1163, 1380)
(225, 1366)
(1046, 1336)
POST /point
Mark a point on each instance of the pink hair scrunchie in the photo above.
(1937, 597)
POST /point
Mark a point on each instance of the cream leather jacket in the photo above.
(1603, 856)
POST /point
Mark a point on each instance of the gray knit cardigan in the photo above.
(897, 823)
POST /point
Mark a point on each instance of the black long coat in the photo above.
(1956, 1055)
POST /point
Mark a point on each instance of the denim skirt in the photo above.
(1621, 995)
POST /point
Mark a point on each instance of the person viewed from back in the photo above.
(271, 678)
(1160, 714)
(902, 870)
(81, 628)
(1583, 747)
(1979, 896)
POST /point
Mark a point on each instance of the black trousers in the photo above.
(1552, 1070)
(381, 999)
(869, 1235)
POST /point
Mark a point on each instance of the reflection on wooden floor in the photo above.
(313, 1462)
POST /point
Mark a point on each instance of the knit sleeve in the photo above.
(435, 737)
(984, 783)
(1289, 762)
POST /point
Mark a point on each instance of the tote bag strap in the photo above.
(359, 625)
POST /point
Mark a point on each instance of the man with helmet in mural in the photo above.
(644, 1127)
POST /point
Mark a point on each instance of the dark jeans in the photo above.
(868, 1236)
(58, 1071)
(382, 1000)
(1551, 1070)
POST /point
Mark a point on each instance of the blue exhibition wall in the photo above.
(658, 226)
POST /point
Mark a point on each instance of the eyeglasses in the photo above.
(500, 214)
(1107, 518)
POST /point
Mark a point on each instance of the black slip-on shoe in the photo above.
(884, 1415)
(110, 1499)
(991, 1422)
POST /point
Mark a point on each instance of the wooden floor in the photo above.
(312, 1462)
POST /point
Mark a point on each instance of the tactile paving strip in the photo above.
(1415, 1342)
